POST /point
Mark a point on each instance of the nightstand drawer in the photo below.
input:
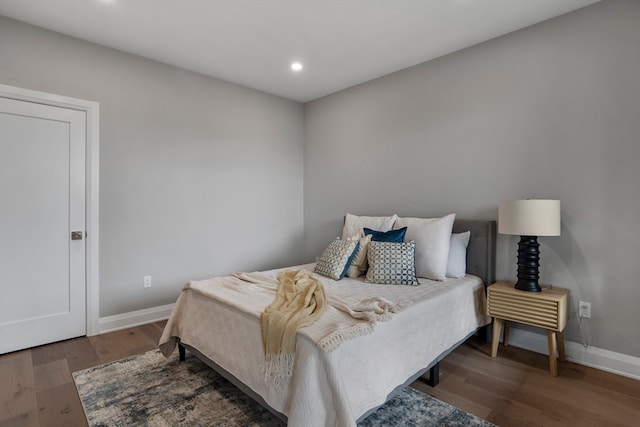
(547, 309)
(511, 307)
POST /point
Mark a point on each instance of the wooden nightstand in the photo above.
(547, 309)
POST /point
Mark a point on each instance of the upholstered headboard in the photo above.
(481, 252)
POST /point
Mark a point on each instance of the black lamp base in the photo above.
(528, 263)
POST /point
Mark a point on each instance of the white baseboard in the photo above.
(605, 360)
(134, 318)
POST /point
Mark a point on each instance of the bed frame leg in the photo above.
(434, 375)
(485, 333)
(182, 351)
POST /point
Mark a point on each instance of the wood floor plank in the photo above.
(17, 388)
(47, 353)
(29, 419)
(60, 407)
(153, 330)
(120, 344)
(605, 380)
(513, 414)
(567, 413)
(467, 391)
(52, 374)
(80, 353)
(512, 373)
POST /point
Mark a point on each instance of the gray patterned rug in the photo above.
(149, 390)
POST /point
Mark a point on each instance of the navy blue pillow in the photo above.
(392, 236)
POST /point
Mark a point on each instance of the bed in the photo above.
(344, 384)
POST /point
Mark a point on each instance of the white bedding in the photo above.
(339, 386)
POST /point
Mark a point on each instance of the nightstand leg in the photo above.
(553, 362)
(495, 337)
(560, 339)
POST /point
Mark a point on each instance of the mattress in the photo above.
(331, 387)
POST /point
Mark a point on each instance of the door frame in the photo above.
(92, 168)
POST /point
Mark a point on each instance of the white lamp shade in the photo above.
(529, 217)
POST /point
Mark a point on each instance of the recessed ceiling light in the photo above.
(296, 66)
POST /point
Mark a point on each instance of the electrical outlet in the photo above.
(147, 281)
(584, 310)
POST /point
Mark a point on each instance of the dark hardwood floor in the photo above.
(514, 389)
(36, 387)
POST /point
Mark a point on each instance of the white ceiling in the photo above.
(253, 42)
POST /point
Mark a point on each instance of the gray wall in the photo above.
(551, 111)
(198, 177)
(201, 177)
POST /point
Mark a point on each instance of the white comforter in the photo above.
(330, 387)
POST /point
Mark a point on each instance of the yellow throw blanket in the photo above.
(300, 301)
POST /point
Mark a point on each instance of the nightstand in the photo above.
(547, 309)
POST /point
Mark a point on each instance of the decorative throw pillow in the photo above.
(433, 238)
(336, 258)
(457, 264)
(354, 224)
(359, 264)
(391, 263)
(393, 236)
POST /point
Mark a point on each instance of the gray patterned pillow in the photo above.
(335, 260)
(392, 263)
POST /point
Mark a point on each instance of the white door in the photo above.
(42, 201)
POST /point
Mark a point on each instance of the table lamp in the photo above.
(529, 219)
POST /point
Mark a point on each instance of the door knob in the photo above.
(76, 235)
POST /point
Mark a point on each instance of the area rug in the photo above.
(149, 390)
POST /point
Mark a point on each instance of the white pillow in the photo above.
(354, 224)
(359, 264)
(457, 264)
(433, 238)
